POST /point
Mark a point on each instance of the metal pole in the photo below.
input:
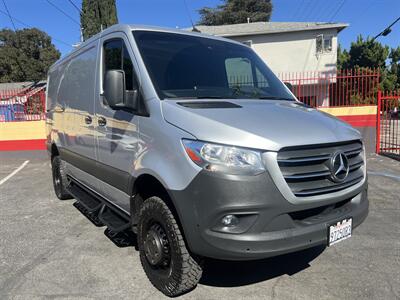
(378, 123)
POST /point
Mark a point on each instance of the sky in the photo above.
(366, 17)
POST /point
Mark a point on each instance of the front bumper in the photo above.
(271, 225)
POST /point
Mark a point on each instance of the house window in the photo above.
(248, 43)
(327, 43)
(239, 72)
(319, 44)
(323, 44)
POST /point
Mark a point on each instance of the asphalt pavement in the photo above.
(48, 249)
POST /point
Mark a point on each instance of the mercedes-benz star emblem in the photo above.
(339, 167)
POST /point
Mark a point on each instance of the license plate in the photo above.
(339, 231)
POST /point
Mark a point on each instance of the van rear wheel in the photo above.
(60, 181)
(163, 253)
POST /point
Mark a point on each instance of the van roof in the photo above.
(133, 27)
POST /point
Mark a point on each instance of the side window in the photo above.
(112, 55)
(262, 82)
(239, 72)
(127, 66)
(116, 57)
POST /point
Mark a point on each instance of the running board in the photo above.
(114, 221)
(84, 197)
(97, 209)
(93, 217)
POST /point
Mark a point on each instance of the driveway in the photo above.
(48, 249)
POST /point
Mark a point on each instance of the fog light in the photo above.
(230, 220)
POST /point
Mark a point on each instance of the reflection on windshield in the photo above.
(185, 66)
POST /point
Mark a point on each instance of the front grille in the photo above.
(306, 169)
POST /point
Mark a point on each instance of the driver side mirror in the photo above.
(289, 86)
(115, 92)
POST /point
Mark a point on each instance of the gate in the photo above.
(23, 105)
(336, 88)
(388, 125)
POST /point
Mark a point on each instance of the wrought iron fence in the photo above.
(317, 89)
(351, 87)
(388, 125)
(22, 105)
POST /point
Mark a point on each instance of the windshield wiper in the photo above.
(209, 97)
(275, 98)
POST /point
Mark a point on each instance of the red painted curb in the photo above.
(360, 120)
(23, 145)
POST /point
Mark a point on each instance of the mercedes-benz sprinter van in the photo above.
(193, 143)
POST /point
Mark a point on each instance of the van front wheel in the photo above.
(163, 253)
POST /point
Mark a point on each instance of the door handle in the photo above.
(102, 121)
(88, 120)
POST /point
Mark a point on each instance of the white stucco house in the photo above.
(287, 46)
(291, 47)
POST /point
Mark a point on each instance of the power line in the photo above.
(296, 13)
(74, 5)
(307, 5)
(9, 15)
(337, 10)
(365, 10)
(311, 11)
(17, 61)
(387, 30)
(63, 12)
(319, 14)
(26, 25)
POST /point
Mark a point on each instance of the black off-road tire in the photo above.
(183, 272)
(60, 181)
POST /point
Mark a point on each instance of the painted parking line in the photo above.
(14, 172)
(384, 174)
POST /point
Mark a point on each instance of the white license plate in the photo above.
(339, 231)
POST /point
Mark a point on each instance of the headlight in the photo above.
(224, 159)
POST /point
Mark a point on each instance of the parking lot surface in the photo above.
(48, 249)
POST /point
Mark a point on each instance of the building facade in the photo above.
(291, 48)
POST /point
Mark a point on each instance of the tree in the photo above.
(25, 55)
(368, 53)
(395, 65)
(97, 14)
(371, 54)
(343, 58)
(236, 11)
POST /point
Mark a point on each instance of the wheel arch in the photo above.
(54, 151)
(145, 186)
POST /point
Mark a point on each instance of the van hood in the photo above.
(261, 124)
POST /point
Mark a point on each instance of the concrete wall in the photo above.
(294, 51)
(28, 135)
(363, 118)
(31, 135)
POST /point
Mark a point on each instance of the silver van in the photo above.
(193, 143)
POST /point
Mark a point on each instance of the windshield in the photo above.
(185, 66)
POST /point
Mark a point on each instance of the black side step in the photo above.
(93, 217)
(100, 211)
(115, 221)
(84, 197)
